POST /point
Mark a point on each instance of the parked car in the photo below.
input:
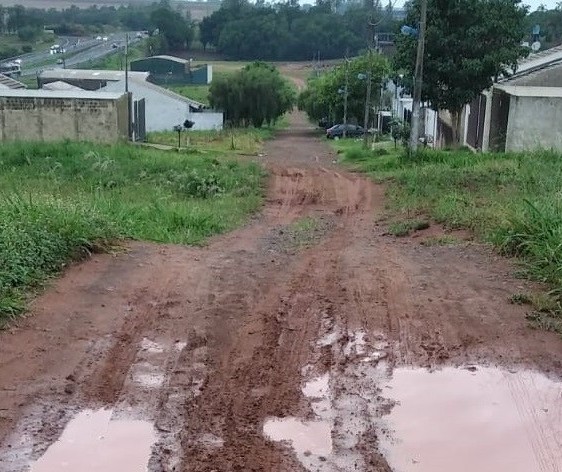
(352, 131)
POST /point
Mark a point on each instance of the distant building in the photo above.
(166, 70)
(41, 115)
(164, 109)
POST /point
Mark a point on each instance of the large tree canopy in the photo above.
(324, 95)
(468, 44)
(285, 31)
(256, 95)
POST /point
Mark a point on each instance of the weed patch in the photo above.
(62, 201)
(404, 228)
(510, 200)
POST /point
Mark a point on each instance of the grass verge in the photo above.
(512, 201)
(62, 201)
(239, 140)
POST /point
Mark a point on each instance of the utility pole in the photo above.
(367, 106)
(418, 81)
(346, 92)
(126, 63)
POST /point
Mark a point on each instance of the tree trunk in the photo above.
(456, 125)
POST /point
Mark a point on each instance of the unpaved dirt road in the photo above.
(302, 314)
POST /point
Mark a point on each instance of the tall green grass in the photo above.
(513, 201)
(61, 201)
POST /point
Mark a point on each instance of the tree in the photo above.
(324, 95)
(256, 95)
(177, 31)
(468, 44)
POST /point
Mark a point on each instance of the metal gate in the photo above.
(139, 120)
(475, 131)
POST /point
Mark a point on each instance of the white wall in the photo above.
(164, 111)
(206, 120)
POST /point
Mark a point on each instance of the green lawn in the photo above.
(61, 201)
(513, 201)
(199, 93)
(239, 140)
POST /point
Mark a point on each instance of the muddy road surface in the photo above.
(308, 340)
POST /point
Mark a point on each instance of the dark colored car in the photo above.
(352, 131)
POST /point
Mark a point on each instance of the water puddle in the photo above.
(306, 437)
(93, 442)
(152, 347)
(467, 420)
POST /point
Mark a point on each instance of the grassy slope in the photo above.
(60, 201)
(510, 200)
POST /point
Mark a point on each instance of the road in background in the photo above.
(78, 51)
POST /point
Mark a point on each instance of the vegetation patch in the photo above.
(444, 240)
(301, 234)
(239, 140)
(405, 228)
(511, 200)
(62, 201)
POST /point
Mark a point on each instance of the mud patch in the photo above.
(300, 234)
(93, 441)
(484, 419)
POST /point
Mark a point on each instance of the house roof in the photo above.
(86, 74)
(9, 83)
(531, 91)
(167, 92)
(168, 58)
(535, 62)
(83, 94)
(60, 85)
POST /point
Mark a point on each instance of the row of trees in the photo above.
(287, 31)
(257, 95)
(324, 96)
(550, 22)
(176, 30)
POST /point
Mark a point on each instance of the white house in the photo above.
(164, 108)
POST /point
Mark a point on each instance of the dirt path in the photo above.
(207, 344)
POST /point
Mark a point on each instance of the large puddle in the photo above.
(485, 420)
(94, 442)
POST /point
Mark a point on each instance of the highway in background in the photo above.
(77, 52)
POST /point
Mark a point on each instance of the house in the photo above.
(166, 70)
(542, 70)
(164, 109)
(42, 115)
(525, 117)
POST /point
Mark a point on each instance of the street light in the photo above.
(366, 77)
(343, 91)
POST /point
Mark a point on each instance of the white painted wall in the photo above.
(164, 110)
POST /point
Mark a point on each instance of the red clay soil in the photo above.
(240, 324)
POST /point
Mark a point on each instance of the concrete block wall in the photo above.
(54, 119)
(534, 123)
